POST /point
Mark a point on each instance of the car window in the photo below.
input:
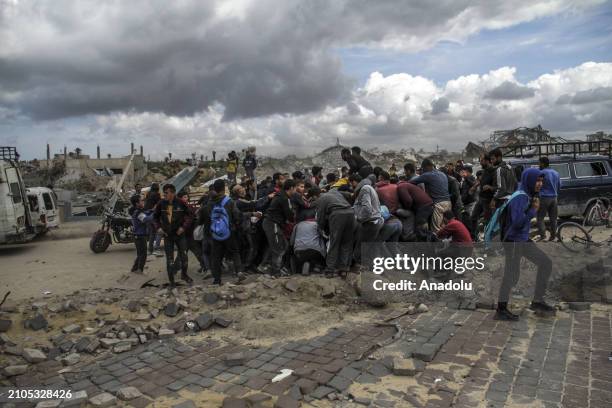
(562, 169)
(33, 203)
(48, 201)
(15, 193)
(591, 169)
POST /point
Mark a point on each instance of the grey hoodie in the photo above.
(367, 204)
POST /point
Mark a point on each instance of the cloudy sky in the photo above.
(290, 76)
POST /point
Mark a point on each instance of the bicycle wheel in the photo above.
(573, 237)
(595, 215)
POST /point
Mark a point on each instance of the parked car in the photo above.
(584, 180)
(15, 219)
(43, 208)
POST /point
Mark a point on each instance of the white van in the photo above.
(15, 220)
(43, 208)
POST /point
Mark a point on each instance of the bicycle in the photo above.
(576, 238)
(598, 214)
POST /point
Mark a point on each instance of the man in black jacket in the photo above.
(278, 214)
(173, 218)
(467, 193)
(220, 247)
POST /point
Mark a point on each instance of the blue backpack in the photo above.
(494, 225)
(219, 221)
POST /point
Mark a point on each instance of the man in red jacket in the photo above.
(387, 192)
(454, 229)
(416, 199)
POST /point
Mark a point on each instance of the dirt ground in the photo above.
(61, 262)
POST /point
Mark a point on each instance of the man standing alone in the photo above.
(548, 199)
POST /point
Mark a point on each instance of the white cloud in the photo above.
(392, 111)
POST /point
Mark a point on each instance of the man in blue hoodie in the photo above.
(548, 199)
(516, 218)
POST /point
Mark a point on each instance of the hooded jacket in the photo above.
(519, 211)
(387, 193)
(552, 183)
(328, 203)
(140, 219)
(367, 204)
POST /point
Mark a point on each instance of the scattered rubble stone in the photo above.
(103, 400)
(6, 340)
(223, 322)
(102, 311)
(329, 290)
(128, 393)
(72, 328)
(39, 305)
(33, 355)
(171, 309)
(122, 347)
(143, 317)
(49, 404)
(108, 343)
(38, 322)
(14, 370)
(5, 325)
(14, 350)
(204, 321)
(242, 296)
(407, 366)
(165, 333)
(291, 285)
(422, 308)
(211, 298)
(9, 306)
(71, 359)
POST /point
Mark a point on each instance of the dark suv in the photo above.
(584, 179)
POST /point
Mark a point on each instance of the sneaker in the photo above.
(505, 314)
(540, 238)
(542, 308)
(263, 269)
(186, 278)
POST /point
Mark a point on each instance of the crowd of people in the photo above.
(314, 223)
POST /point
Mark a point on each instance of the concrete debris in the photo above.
(292, 285)
(72, 328)
(5, 340)
(14, 370)
(49, 404)
(211, 298)
(5, 325)
(171, 309)
(128, 393)
(204, 321)
(33, 355)
(422, 308)
(122, 347)
(71, 359)
(103, 400)
(223, 322)
(38, 322)
(164, 333)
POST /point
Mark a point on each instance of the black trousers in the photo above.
(218, 250)
(311, 256)
(276, 242)
(141, 252)
(483, 208)
(196, 249)
(341, 230)
(181, 262)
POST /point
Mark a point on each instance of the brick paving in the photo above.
(560, 362)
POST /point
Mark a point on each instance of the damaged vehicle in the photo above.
(15, 219)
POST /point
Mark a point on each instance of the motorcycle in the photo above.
(115, 227)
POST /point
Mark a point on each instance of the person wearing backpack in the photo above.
(173, 219)
(516, 214)
(221, 219)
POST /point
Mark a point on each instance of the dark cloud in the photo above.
(439, 105)
(595, 95)
(62, 59)
(510, 91)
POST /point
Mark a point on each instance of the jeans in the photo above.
(548, 206)
(141, 253)
(514, 252)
